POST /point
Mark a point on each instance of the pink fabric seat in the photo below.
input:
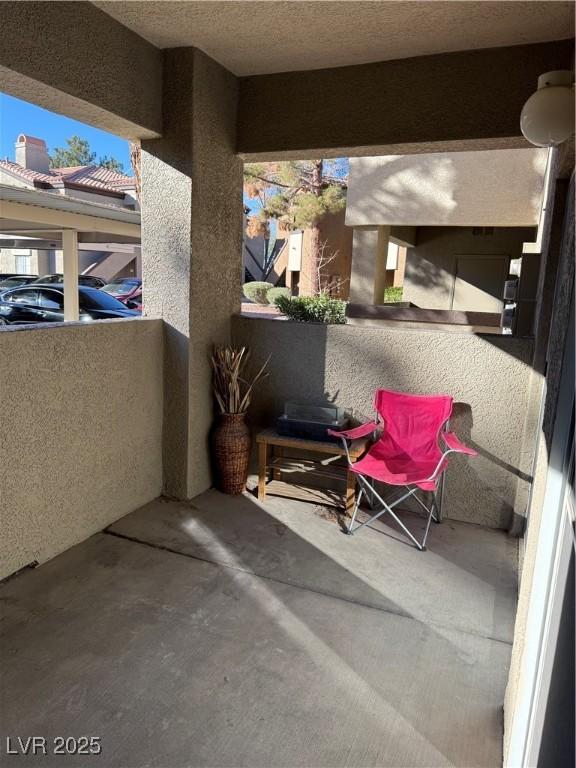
(408, 452)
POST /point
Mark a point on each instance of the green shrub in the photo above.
(256, 291)
(313, 309)
(274, 293)
(393, 294)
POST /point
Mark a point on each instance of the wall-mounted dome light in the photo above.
(547, 118)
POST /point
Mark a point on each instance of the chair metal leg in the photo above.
(356, 505)
(374, 517)
(426, 531)
(436, 515)
(389, 508)
(440, 492)
(408, 533)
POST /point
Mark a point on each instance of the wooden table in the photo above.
(269, 441)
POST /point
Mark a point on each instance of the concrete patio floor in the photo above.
(231, 633)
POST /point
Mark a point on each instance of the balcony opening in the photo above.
(70, 223)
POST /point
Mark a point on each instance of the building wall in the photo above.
(419, 104)
(12, 181)
(500, 188)
(365, 255)
(487, 376)
(372, 248)
(81, 432)
(39, 261)
(94, 197)
(431, 265)
(336, 239)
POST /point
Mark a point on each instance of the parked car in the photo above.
(15, 280)
(37, 303)
(135, 301)
(124, 288)
(89, 280)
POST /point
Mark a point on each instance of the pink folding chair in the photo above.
(407, 452)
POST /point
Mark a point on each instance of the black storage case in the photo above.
(311, 422)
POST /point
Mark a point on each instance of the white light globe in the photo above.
(547, 118)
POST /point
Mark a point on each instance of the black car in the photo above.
(15, 280)
(36, 303)
(89, 280)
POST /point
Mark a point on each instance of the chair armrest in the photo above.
(353, 434)
(455, 445)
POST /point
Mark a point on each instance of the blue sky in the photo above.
(18, 116)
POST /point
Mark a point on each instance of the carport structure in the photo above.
(34, 219)
(189, 82)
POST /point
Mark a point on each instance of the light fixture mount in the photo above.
(547, 118)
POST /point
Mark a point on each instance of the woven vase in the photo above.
(231, 450)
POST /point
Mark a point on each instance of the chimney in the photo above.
(32, 153)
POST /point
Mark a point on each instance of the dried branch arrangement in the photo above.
(232, 387)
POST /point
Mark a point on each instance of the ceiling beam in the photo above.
(74, 59)
(446, 102)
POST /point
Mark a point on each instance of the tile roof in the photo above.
(93, 177)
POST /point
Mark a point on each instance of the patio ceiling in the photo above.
(264, 37)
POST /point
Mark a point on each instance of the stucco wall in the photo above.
(192, 250)
(74, 59)
(502, 188)
(336, 244)
(338, 239)
(80, 443)
(487, 376)
(431, 265)
(446, 102)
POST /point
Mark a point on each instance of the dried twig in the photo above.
(233, 389)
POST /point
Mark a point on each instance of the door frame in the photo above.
(552, 561)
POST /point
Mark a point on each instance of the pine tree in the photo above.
(111, 163)
(297, 193)
(78, 152)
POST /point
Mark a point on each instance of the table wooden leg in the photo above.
(262, 471)
(350, 492)
(276, 471)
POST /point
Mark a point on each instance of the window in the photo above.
(24, 296)
(23, 265)
(121, 286)
(91, 298)
(51, 299)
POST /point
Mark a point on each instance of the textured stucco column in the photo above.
(70, 261)
(369, 254)
(191, 251)
(380, 265)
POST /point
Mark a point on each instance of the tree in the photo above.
(136, 163)
(111, 163)
(297, 193)
(78, 152)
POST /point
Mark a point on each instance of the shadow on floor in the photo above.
(238, 635)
